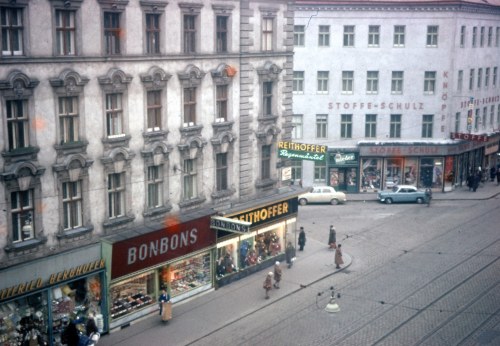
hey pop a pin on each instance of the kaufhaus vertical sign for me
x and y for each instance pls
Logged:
(302, 151)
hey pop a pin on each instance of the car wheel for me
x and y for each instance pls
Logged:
(388, 201)
(302, 201)
(420, 200)
(334, 201)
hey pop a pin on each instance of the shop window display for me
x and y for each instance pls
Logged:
(431, 172)
(393, 171)
(133, 294)
(24, 319)
(370, 176)
(186, 275)
(411, 172)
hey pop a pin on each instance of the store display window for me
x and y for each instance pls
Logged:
(411, 172)
(76, 301)
(24, 319)
(370, 174)
(431, 172)
(393, 170)
(186, 275)
(132, 294)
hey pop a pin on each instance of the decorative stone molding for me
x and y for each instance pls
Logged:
(190, 8)
(269, 72)
(268, 134)
(156, 6)
(115, 81)
(222, 141)
(117, 160)
(191, 147)
(155, 79)
(191, 76)
(113, 5)
(223, 74)
(69, 83)
(18, 85)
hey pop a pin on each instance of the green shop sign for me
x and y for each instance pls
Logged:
(301, 151)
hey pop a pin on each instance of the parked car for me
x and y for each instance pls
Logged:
(322, 194)
(402, 193)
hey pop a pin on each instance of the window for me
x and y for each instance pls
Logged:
(190, 178)
(346, 126)
(395, 126)
(267, 34)
(429, 82)
(497, 37)
(479, 77)
(114, 115)
(460, 80)
(72, 204)
(17, 124)
(65, 32)
(319, 171)
(432, 36)
(296, 169)
(485, 116)
(321, 125)
(371, 125)
(189, 34)
(462, 36)
(477, 120)
(427, 124)
(399, 36)
(397, 82)
(323, 82)
(189, 106)
(298, 82)
(486, 77)
(372, 82)
(299, 33)
(116, 195)
(494, 79)
(471, 79)
(221, 102)
(265, 169)
(481, 37)
(324, 36)
(68, 119)
(154, 110)
(153, 33)
(221, 171)
(373, 36)
(222, 33)
(267, 98)
(348, 35)
(297, 126)
(22, 212)
(457, 121)
(155, 186)
(12, 30)
(474, 37)
(498, 114)
(492, 115)
(490, 36)
(112, 33)
(347, 82)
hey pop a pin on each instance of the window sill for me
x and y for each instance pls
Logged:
(222, 193)
(265, 183)
(25, 245)
(118, 221)
(192, 202)
(151, 212)
(76, 232)
(21, 152)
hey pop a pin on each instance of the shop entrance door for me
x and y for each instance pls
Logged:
(338, 178)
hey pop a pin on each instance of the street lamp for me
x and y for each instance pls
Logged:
(332, 305)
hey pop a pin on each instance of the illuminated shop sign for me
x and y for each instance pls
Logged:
(150, 249)
(35, 284)
(301, 151)
(268, 213)
(343, 158)
(229, 225)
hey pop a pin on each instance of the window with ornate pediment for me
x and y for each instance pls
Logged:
(191, 82)
(155, 85)
(269, 77)
(222, 77)
(17, 97)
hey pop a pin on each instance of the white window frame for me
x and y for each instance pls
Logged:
(429, 82)
(69, 119)
(190, 179)
(370, 125)
(114, 115)
(298, 126)
(432, 36)
(397, 82)
(323, 82)
(321, 126)
(427, 125)
(372, 82)
(116, 189)
(18, 124)
(374, 36)
(299, 33)
(13, 31)
(347, 82)
(349, 36)
(324, 36)
(22, 215)
(72, 200)
(399, 36)
(298, 82)
(154, 190)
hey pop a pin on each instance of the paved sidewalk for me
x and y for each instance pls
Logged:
(203, 314)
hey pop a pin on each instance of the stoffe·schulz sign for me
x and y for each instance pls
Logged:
(301, 151)
(230, 225)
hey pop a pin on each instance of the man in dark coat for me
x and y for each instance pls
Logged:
(289, 254)
(332, 238)
(302, 239)
(477, 180)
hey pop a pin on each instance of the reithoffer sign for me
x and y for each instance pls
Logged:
(301, 151)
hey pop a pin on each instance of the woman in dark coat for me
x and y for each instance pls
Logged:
(289, 254)
(332, 238)
(302, 239)
(70, 336)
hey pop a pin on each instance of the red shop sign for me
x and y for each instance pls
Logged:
(157, 247)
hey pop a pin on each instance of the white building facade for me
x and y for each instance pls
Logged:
(391, 85)
(123, 121)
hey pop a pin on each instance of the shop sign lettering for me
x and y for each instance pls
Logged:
(375, 105)
(268, 213)
(469, 137)
(401, 150)
(312, 152)
(55, 278)
(315, 148)
(160, 246)
(229, 225)
(291, 154)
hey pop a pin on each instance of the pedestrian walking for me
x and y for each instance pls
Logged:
(477, 180)
(332, 238)
(338, 256)
(290, 254)
(277, 274)
(492, 173)
(302, 239)
(165, 306)
(498, 176)
(428, 196)
(268, 283)
(470, 181)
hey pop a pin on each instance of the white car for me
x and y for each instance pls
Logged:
(322, 194)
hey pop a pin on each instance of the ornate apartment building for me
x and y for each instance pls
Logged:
(125, 118)
(402, 91)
